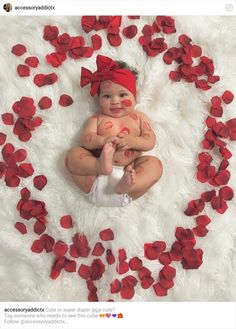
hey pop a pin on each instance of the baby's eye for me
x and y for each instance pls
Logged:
(106, 96)
(123, 95)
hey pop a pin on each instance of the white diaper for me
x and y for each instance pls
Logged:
(103, 192)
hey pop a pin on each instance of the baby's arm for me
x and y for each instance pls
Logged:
(89, 137)
(145, 142)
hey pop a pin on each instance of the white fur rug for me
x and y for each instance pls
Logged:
(177, 111)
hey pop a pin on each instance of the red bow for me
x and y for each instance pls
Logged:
(105, 69)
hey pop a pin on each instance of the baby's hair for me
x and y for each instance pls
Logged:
(124, 65)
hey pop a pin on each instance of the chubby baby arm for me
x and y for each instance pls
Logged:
(145, 142)
(89, 137)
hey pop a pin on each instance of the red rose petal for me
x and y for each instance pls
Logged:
(23, 70)
(48, 242)
(39, 80)
(91, 286)
(175, 76)
(70, 265)
(213, 78)
(73, 251)
(166, 284)
(200, 230)
(45, 103)
(219, 204)
(176, 251)
(110, 257)
(135, 264)
(50, 32)
(114, 39)
(65, 100)
(115, 286)
(26, 170)
(153, 250)
(32, 61)
(168, 272)
(122, 255)
(144, 272)
(203, 220)
(106, 235)
(21, 227)
(202, 84)
(226, 193)
(192, 259)
(39, 227)
(96, 41)
(13, 181)
(98, 249)
(37, 246)
(146, 282)
(49, 79)
(60, 248)
(165, 258)
(57, 267)
(18, 49)
(159, 290)
(3, 138)
(227, 97)
(222, 177)
(66, 221)
(195, 51)
(122, 267)
(8, 119)
(130, 31)
(207, 196)
(40, 182)
(92, 297)
(127, 293)
(81, 244)
(97, 269)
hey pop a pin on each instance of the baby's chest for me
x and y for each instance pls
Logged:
(108, 126)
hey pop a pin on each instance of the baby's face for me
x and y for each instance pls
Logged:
(115, 100)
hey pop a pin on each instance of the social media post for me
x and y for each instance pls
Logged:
(117, 140)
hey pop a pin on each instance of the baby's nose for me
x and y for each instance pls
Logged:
(115, 100)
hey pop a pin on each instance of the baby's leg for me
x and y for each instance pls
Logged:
(146, 171)
(84, 166)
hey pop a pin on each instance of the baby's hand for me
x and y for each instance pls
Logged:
(112, 139)
(125, 141)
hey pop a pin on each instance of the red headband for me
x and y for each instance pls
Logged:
(107, 69)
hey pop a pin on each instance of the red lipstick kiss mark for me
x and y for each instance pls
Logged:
(106, 84)
(83, 156)
(129, 154)
(134, 116)
(126, 102)
(94, 116)
(88, 138)
(125, 130)
(108, 125)
(147, 126)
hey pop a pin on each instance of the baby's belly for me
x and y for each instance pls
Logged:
(123, 158)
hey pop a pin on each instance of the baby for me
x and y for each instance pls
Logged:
(109, 165)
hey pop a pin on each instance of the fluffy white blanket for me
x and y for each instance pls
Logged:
(177, 112)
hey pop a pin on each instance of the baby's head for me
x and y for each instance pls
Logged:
(115, 84)
(118, 99)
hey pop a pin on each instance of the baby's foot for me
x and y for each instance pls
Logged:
(106, 158)
(126, 181)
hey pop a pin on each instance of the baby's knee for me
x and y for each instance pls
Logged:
(157, 164)
(70, 157)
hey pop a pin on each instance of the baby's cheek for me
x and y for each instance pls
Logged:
(126, 102)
